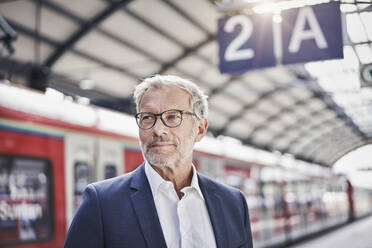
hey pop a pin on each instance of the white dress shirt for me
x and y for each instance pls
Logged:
(185, 222)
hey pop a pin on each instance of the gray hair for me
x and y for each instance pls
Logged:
(199, 101)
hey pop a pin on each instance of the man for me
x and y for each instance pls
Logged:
(164, 202)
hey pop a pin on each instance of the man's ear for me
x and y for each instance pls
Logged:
(202, 129)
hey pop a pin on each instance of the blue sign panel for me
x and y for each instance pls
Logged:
(312, 33)
(245, 43)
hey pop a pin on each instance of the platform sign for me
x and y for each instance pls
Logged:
(312, 33)
(306, 34)
(245, 43)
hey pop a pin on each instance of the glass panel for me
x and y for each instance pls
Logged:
(25, 199)
(110, 171)
(82, 179)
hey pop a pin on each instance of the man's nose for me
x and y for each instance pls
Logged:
(159, 128)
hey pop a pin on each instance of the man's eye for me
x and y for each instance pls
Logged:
(172, 117)
(147, 117)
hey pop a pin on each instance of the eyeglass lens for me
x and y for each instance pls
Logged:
(170, 118)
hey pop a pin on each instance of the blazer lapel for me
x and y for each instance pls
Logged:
(214, 206)
(145, 209)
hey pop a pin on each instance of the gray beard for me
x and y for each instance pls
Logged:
(174, 159)
(156, 162)
(170, 162)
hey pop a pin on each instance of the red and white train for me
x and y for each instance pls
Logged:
(51, 148)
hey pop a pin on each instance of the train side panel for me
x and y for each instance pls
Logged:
(32, 204)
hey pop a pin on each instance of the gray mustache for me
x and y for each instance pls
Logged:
(160, 139)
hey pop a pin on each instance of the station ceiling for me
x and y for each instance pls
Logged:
(100, 49)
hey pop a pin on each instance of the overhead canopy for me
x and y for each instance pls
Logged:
(316, 111)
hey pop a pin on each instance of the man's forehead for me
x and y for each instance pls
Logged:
(169, 96)
(164, 87)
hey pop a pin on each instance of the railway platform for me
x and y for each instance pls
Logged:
(356, 235)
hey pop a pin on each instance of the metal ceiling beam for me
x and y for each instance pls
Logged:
(324, 138)
(323, 154)
(250, 105)
(271, 149)
(298, 137)
(329, 154)
(31, 33)
(286, 110)
(328, 135)
(210, 37)
(300, 122)
(367, 9)
(326, 151)
(295, 140)
(86, 28)
(152, 26)
(187, 17)
(291, 143)
(228, 82)
(70, 87)
(327, 99)
(63, 11)
(347, 150)
(14, 67)
(66, 13)
(161, 32)
(186, 52)
(236, 79)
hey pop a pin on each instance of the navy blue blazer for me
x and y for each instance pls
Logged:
(121, 213)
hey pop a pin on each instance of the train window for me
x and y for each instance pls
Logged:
(110, 171)
(82, 179)
(26, 212)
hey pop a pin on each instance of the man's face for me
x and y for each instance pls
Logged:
(163, 146)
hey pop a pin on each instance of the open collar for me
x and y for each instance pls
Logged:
(155, 180)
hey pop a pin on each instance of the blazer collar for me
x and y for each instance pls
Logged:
(214, 205)
(144, 207)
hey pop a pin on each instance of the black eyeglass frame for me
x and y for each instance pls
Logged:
(161, 117)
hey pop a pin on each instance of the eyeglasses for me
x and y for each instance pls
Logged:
(170, 118)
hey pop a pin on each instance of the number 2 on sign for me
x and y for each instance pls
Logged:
(232, 51)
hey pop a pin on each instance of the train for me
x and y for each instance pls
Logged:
(52, 147)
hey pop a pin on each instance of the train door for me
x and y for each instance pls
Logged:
(32, 204)
(79, 169)
(110, 159)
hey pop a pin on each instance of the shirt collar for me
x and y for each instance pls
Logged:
(195, 182)
(155, 180)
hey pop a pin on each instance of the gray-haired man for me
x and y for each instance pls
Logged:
(165, 202)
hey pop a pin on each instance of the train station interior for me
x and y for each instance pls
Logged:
(289, 87)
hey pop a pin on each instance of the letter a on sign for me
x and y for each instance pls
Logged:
(312, 33)
(299, 32)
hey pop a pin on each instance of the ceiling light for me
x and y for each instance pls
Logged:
(87, 84)
(277, 18)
